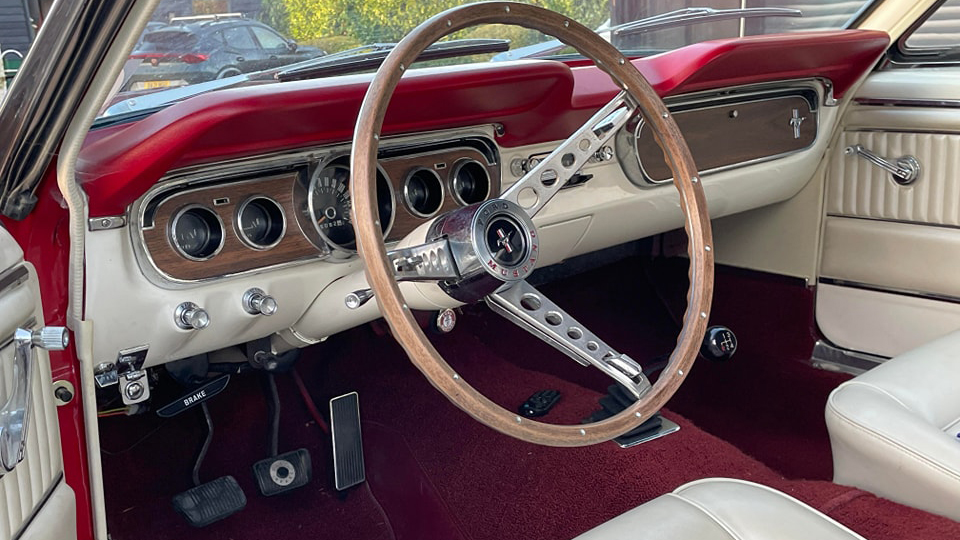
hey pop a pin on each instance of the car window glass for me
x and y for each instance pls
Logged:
(197, 33)
(940, 30)
(238, 37)
(267, 39)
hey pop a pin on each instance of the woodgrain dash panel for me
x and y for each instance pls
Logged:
(235, 256)
(725, 135)
(441, 162)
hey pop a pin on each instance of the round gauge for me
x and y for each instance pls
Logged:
(329, 202)
(260, 222)
(196, 232)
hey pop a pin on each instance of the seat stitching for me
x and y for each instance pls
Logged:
(908, 452)
(878, 389)
(806, 507)
(722, 524)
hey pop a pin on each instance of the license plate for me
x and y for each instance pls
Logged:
(156, 84)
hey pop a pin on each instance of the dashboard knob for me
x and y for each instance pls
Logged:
(190, 316)
(257, 302)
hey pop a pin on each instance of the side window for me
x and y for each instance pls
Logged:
(935, 40)
(238, 37)
(268, 39)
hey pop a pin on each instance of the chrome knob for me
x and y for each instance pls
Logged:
(51, 338)
(257, 302)
(358, 298)
(190, 316)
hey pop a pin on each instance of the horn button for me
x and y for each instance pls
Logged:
(493, 239)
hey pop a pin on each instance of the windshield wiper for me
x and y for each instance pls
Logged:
(688, 16)
(371, 56)
(672, 19)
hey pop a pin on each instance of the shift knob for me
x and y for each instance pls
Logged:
(719, 343)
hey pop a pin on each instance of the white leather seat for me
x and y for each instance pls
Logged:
(722, 509)
(894, 428)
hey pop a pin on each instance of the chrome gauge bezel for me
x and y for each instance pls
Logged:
(337, 161)
(172, 235)
(454, 183)
(406, 192)
(238, 223)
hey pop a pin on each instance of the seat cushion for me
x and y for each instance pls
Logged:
(722, 509)
(894, 429)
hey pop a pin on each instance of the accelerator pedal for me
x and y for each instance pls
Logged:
(348, 468)
(210, 502)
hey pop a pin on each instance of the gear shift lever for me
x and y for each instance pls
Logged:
(719, 344)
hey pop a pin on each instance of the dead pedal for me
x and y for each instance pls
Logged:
(348, 468)
(283, 473)
(210, 502)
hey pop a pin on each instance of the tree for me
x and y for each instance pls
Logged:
(370, 21)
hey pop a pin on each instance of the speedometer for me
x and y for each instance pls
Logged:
(329, 204)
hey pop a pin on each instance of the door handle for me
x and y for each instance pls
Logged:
(905, 170)
(15, 414)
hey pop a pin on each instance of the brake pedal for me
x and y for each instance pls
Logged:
(210, 502)
(348, 468)
(207, 503)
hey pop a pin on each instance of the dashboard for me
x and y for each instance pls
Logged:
(222, 195)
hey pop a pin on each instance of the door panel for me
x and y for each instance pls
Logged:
(37, 481)
(889, 252)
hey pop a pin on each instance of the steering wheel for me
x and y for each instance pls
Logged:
(485, 250)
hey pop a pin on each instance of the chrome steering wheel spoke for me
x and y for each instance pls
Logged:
(529, 309)
(541, 183)
(431, 261)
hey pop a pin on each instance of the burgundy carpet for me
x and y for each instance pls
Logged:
(436, 473)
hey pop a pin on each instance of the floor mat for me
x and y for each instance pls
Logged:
(433, 472)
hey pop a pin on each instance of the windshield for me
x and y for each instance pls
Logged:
(206, 45)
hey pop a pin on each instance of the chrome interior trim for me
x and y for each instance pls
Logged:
(198, 176)
(829, 357)
(666, 427)
(902, 102)
(889, 290)
(406, 192)
(13, 277)
(106, 223)
(172, 234)
(745, 94)
(239, 230)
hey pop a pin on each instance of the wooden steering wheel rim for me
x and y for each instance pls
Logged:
(380, 275)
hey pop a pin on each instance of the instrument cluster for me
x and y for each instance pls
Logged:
(275, 212)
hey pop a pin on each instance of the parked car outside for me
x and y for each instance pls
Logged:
(192, 50)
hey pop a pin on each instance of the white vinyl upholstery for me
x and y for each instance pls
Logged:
(721, 509)
(894, 429)
(857, 188)
(23, 490)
